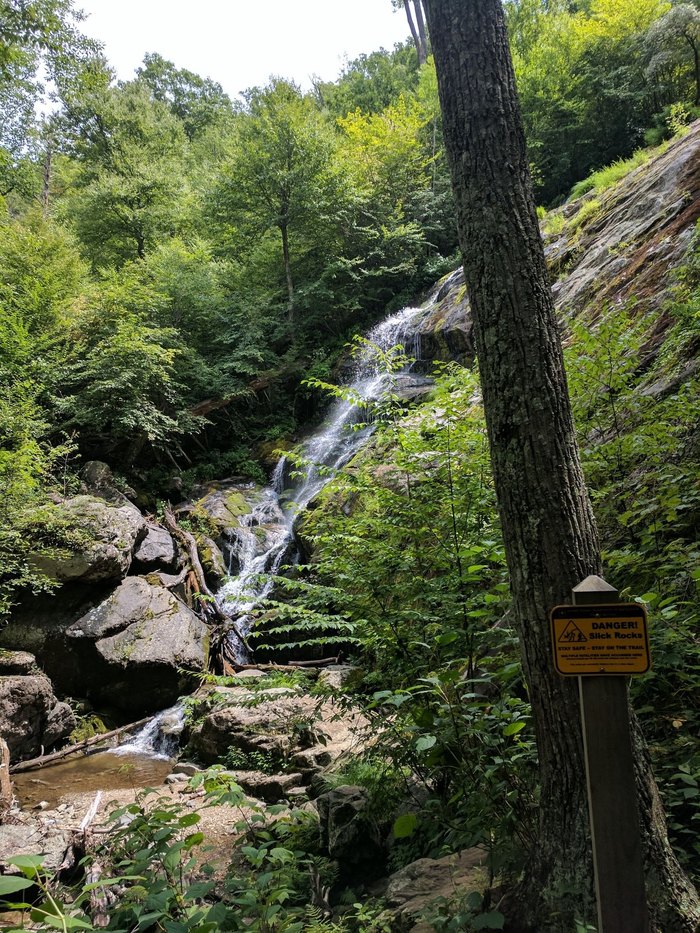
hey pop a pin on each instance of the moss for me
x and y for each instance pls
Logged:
(236, 504)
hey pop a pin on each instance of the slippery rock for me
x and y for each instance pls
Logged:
(445, 330)
(30, 715)
(243, 518)
(138, 641)
(110, 531)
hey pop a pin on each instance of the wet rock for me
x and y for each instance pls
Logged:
(427, 880)
(213, 562)
(156, 551)
(31, 718)
(111, 531)
(136, 644)
(445, 331)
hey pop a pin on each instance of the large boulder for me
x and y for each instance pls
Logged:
(136, 645)
(31, 717)
(110, 533)
(280, 726)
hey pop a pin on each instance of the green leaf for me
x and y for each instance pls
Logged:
(9, 884)
(425, 742)
(27, 864)
(493, 920)
(513, 728)
(405, 825)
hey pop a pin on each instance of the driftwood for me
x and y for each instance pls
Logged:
(233, 668)
(81, 843)
(5, 782)
(42, 760)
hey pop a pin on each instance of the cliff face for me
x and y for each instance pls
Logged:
(620, 246)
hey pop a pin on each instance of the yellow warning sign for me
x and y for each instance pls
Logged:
(600, 639)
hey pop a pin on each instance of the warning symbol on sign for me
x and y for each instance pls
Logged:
(572, 633)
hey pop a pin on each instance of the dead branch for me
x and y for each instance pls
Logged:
(188, 541)
(42, 760)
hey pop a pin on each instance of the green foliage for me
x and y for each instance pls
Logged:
(641, 459)
(608, 177)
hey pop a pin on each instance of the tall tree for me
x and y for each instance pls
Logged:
(416, 23)
(280, 177)
(548, 526)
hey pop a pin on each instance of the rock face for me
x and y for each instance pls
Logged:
(444, 331)
(637, 234)
(244, 521)
(30, 715)
(350, 834)
(136, 643)
(111, 531)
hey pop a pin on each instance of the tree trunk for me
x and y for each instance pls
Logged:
(412, 27)
(548, 526)
(287, 270)
(422, 35)
(46, 183)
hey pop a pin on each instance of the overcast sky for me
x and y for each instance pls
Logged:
(240, 43)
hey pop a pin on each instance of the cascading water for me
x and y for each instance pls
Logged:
(266, 536)
(160, 736)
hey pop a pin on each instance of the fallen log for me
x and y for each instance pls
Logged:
(42, 760)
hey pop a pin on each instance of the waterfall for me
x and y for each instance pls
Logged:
(257, 556)
(160, 737)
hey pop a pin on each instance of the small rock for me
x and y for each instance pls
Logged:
(156, 551)
(249, 675)
(338, 676)
(187, 768)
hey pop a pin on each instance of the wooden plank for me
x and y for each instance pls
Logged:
(612, 794)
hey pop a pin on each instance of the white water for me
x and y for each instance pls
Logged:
(159, 737)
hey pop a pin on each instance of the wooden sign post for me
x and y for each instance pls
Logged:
(600, 640)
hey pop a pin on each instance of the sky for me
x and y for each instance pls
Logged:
(240, 43)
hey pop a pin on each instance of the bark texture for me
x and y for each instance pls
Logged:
(548, 525)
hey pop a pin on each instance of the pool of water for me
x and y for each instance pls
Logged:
(87, 774)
